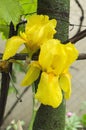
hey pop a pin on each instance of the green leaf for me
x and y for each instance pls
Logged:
(10, 10)
(19, 66)
(9, 127)
(14, 80)
(29, 6)
(4, 29)
(12, 90)
(83, 120)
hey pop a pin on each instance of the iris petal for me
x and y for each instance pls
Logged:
(49, 92)
(39, 29)
(31, 75)
(47, 53)
(65, 84)
(72, 54)
(52, 56)
(12, 46)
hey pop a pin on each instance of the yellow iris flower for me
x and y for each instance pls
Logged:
(54, 62)
(38, 30)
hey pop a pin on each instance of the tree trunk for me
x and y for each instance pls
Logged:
(48, 118)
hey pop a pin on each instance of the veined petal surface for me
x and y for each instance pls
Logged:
(49, 92)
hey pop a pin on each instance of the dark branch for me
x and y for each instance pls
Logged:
(77, 37)
(82, 15)
(5, 81)
(15, 103)
(4, 92)
(11, 30)
(23, 56)
(82, 56)
(19, 24)
(73, 40)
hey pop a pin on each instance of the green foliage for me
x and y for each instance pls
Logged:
(72, 122)
(14, 125)
(29, 6)
(83, 117)
(12, 90)
(4, 29)
(10, 10)
(13, 10)
(83, 106)
(17, 67)
(83, 120)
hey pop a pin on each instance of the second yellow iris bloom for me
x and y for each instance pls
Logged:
(54, 62)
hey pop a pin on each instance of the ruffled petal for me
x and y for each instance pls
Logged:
(39, 20)
(39, 29)
(49, 92)
(65, 84)
(36, 19)
(12, 46)
(52, 56)
(31, 75)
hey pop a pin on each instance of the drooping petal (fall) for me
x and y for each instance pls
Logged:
(65, 84)
(12, 46)
(31, 75)
(49, 92)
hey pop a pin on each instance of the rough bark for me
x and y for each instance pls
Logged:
(48, 118)
(58, 9)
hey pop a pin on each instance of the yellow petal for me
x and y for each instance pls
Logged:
(59, 59)
(31, 75)
(72, 53)
(65, 84)
(36, 19)
(52, 56)
(39, 29)
(49, 92)
(48, 51)
(39, 20)
(12, 46)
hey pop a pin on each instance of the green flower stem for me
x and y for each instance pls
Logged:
(32, 120)
(36, 106)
